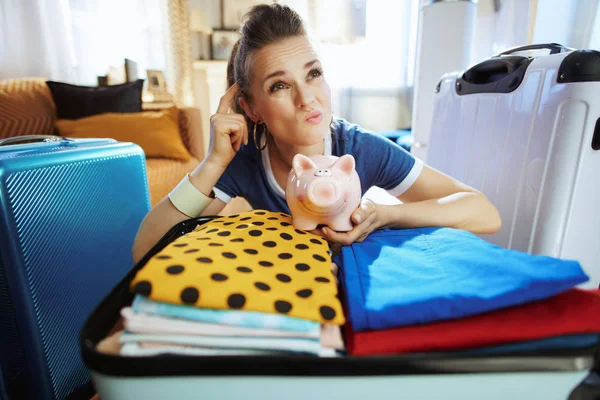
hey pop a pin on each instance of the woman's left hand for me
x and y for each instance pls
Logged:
(365, 218)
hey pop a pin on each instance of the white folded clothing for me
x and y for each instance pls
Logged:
(136, 349)
(146, 323)
(295, 345)
(148, 349)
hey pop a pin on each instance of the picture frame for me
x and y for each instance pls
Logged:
(131, 70)
(156, 81)
(222, 42)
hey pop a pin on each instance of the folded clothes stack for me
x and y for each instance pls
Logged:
(441, 289)
(243, 284)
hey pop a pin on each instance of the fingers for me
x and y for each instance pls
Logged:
(225, 101)
(343, 238)
(363, 211)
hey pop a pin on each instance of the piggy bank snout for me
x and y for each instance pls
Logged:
(323, 192)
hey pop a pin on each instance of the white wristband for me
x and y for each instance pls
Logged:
(188, 199)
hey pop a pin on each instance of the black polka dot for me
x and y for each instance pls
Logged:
(191, 251)
(285, 236)
(285, 224)
(302, 267)
(229, 255)
(272, 218)
(255, 232)
(250, 251)
(258, 223)
(234, 216)
(283, 306)
(259, 212)
(203, 238)
(244, 269)
(227, 223)
(305, 293)
(318, 257)
(316, 241)
(272, 228)
(215, 244)
(265, 263)
(175, 269)
(143, 287)
(204, 260)
(327, 313)
(245, 218)
(322, 279)
(298, 231)
(219, 277)
(283, 278)
(236, 300)
(262, 286)
(212, 230)
(285, 256)
(269, 243)
(190, 295)
(242, 226)
(284, 215)
(164, 257)
(224, 233)
(301, 246)
(180, 245)
(237, 240)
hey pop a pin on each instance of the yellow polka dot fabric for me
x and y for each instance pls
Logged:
(255, 261)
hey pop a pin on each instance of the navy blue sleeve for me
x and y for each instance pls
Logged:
(230, 184)
(383, 163)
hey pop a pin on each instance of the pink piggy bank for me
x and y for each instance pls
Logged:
(323, 190)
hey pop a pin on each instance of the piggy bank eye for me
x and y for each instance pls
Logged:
(319, 173)
(326, 172)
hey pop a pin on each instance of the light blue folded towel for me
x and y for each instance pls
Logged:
(249, 319)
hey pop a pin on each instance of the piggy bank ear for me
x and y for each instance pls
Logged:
(301, 163)
(345, 164)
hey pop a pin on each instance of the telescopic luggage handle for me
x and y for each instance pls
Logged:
(554, 48)
(30, 139)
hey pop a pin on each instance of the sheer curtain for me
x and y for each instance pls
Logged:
(105, 32)
(35, 39)
(77, 40)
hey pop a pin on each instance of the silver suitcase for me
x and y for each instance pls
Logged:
(526, 132)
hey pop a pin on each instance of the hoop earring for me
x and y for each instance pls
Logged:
(258, 147)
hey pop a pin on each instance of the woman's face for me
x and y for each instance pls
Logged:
(289, 92)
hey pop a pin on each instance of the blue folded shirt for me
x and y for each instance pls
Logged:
(415, 276)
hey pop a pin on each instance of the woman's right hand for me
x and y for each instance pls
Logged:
(227, 130)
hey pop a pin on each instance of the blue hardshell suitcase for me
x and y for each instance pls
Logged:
(69, 212)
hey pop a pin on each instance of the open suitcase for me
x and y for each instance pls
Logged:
(556, 374)
(525, 131)
(70, 209)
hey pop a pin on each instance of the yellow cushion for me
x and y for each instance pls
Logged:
(156, 132)
(255, 261)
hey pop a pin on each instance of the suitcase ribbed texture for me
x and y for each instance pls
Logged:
(70, 222)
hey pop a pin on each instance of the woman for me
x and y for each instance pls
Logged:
(282, 106)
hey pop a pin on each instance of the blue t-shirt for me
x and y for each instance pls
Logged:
(379, 162)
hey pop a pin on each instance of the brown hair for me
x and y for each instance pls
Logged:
(263, 25)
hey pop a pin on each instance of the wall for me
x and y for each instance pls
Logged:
(499, 30)
(568, 23)
(211, 10)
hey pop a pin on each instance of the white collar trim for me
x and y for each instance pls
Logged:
(269, 171)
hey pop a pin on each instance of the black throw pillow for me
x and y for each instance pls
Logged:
(74, 102)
